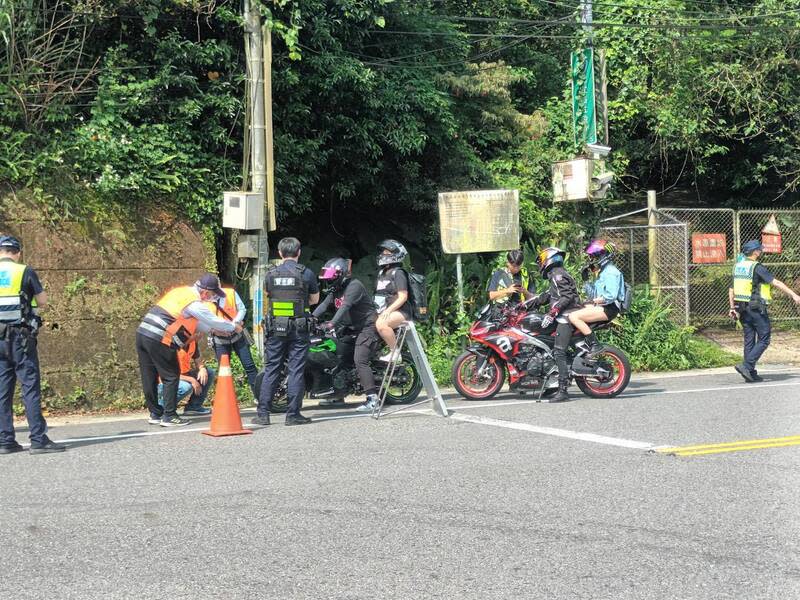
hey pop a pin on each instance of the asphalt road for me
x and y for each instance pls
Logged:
(504, 499)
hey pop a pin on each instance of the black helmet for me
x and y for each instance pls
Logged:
(397, 250)
(336, 272)
(9, 242)
(549, 258)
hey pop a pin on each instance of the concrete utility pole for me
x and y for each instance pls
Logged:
(258, 158)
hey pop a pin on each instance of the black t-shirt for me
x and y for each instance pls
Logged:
(387, 288)
(502, 279)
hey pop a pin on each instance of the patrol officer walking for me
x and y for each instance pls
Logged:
(749, 297)
(21, 294)
(291, 289)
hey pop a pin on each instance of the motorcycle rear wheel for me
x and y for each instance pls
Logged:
(467, 382)
(409, 390)
(620, 367)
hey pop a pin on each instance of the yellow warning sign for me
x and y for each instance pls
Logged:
(479, 221)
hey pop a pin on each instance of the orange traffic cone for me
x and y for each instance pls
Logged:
(225, 417)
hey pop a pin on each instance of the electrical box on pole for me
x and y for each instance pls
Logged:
(243, 210)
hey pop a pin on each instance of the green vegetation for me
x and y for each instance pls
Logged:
(110, 106)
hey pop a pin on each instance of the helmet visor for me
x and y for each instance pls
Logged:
(328, 273)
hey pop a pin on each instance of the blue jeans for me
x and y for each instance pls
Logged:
(185, 389)
(242, 350)
(757, 330)
(17, 362)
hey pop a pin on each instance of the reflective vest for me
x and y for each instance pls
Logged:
(165, 320)
(287, 292)
(15, 306)
(185, 357)
(743, 272)
(227, 312)
(506, 282)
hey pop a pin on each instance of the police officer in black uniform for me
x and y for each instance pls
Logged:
(291, 289)
(21, 294)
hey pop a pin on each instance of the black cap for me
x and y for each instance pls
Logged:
(9, 242)
(210, 282)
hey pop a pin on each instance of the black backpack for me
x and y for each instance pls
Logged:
(417, 295)
(627, 299)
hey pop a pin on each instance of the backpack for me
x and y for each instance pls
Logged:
(417, 296)
(627, 299)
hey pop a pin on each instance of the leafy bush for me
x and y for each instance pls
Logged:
(654, 343)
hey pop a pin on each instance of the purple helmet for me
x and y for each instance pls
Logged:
(600, 252)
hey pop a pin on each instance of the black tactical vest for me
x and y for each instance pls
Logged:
(287, 292)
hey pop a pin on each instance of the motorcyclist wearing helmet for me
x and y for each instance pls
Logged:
(391, 294)
(354, 318)
(562, 296)
(607, 292)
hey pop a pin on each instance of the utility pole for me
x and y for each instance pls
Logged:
(258, 158)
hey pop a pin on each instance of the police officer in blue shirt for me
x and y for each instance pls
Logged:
(290, 289)
(749, 297)
(21, 295)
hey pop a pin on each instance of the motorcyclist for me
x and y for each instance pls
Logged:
(354, 319)
(607, 293)
(562, 296)
(391, 295)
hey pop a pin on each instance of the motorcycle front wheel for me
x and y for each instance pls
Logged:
(613, 361)
(473, 385)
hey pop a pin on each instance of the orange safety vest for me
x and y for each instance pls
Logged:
(185, 357)
(166, 319)
(228, 312)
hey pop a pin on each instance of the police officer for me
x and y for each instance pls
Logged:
(748, 298)
(291, 289)
(511, 283)
(21, 295)
(563, 297)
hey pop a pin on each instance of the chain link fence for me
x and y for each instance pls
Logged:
(652, 249)
(687, 255)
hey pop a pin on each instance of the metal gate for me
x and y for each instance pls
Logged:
(653, 248)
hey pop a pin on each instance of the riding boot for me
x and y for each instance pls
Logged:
(595, 347)
(562, 395)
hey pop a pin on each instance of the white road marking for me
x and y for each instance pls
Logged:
(563, 433)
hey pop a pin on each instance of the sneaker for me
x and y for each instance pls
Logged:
(393, 356)
(260, 420)
(744, 372)
(200, 410)
(154, 420)
(46, 446)
(370, 405)
(756, 377)
(175, 421)
(11, 448)
(297, 419)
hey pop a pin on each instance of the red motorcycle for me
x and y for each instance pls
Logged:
(512, 340)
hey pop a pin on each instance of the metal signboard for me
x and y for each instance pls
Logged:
(709, 248)
(771, 237)
(479, 221)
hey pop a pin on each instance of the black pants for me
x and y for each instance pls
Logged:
(367, 344)
(757, 332)
(19, 360)
(563, 338)
(157, 360)
(291, 349)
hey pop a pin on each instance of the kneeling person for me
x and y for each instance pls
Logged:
(194, 382)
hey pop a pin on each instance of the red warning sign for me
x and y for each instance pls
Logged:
(771, 237)
(709, 248)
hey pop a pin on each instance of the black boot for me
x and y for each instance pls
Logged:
(595, 347)
(562, 395)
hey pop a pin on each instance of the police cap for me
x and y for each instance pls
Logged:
(9, 242)
(751, 246)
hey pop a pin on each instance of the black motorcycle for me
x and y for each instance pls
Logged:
(326, 379)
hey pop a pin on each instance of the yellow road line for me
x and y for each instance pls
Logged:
(697, 450)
